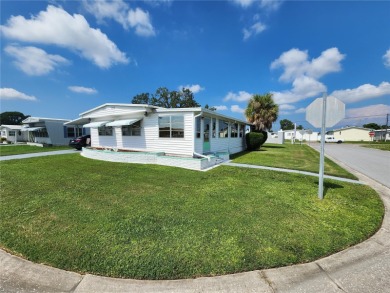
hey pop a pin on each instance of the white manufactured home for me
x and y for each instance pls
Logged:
(13, 133)
(45, 130)
(177, 132)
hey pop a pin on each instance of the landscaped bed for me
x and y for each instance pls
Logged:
(155, 222)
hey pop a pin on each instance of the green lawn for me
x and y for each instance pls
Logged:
(384, 146)
(8, 150)
(155, 222)
(290, 156)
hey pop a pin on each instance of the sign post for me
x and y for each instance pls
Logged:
(371, 134)
(324, 112)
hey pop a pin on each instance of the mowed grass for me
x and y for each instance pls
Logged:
(291, 156)
(383, 146)
(155, 222)
(9, 150)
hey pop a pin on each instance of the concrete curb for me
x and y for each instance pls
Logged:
(362, 268)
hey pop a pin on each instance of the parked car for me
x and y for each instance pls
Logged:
(333, 139)
(80, 142)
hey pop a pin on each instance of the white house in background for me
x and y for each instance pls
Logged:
(47, 131)
(13, 133)
(353, 133)
(291, 134)
(185, 132)
(382, 135)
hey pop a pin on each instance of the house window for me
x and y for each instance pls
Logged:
(234, 130)
(171, 126)
(132, 130)
(207, 125)
(105, 131)
(11, 133)
(214, 126)
(70, 132)
(242, 128)
(197, 125)
(223, 129)
(41, 133)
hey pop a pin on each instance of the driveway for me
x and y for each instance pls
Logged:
(370, 162)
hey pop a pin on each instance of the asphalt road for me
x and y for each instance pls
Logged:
(370, 162)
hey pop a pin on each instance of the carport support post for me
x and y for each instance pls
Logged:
(323, 129)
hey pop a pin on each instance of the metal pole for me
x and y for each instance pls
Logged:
(323, 129)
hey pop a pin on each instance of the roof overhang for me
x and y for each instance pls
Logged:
(122, 122)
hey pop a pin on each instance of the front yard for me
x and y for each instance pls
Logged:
(290, 156)
(154, 222)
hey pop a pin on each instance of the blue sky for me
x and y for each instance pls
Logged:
(61, 58)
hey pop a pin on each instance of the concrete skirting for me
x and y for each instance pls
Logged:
(158, 158)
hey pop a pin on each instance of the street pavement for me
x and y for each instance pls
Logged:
(370, 162)
(362, 268)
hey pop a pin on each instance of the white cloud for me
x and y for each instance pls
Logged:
(82, 90)
(303, 87)
(244, 3)
(119, 11)
(12, 94)
(57, 27)
(140, 20)
(242, 96)
(221, 108)
(295, 64)
(34, 61)
(286, 107)
(303, 73)
(195, 88)
(386, 58)
(372, 110)
(363, 92)
(115, 10)
(271, 4)
(300, 110)
(254, 30)
(237, 109)
(265, 4)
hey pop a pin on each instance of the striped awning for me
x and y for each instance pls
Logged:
(32, 128)
(96, 124)
(122, 122)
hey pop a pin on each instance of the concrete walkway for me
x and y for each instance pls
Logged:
(361, 268)
(33, 155)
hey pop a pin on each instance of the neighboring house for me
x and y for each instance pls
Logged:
(382, 134)
(180, 131)
(13, 133)
(351, 133)
(48, 131)
(291, 134)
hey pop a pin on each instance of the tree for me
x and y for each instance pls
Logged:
(141, 99)
(168, 99)
(210, 108)
(262, 111)
(299, 127)
(372, 126)
(286, 124)
(12, 118)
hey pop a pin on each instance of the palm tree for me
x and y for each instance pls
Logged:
(262, 111)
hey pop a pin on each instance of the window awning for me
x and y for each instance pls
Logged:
(96, 124)
(32, 128)
(122, 122)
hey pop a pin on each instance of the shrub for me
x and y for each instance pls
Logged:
(254, 140)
